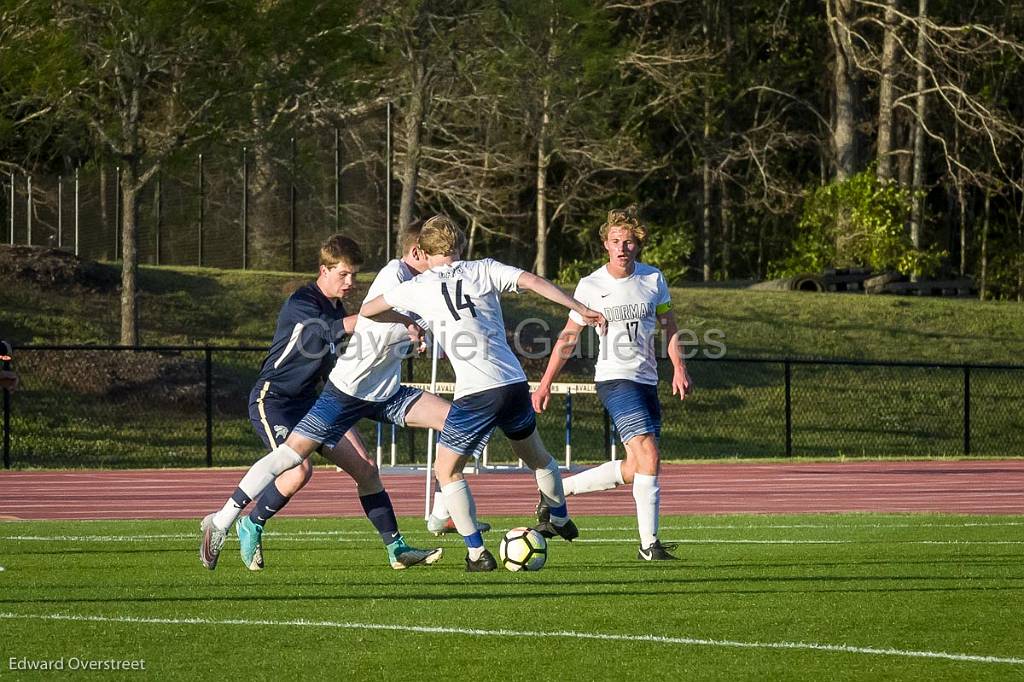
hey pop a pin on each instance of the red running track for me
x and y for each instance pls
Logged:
(966, 487)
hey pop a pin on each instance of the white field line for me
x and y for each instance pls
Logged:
(304, 537)
(532, 635)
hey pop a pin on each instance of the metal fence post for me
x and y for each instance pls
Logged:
(76, 213)
(607, 435)
(13, 181)
(60, 211)
(789, 409)
(202, 207)
(337, 181)
(568, 429)
(117, 211)
(291, 210)
(28, 217)
(159, 207)
(245, 209)
(6, 351)
(387, 188)
(209, 405)
(412, 432)
(967, 410)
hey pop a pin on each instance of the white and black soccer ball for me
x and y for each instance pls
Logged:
(523, 549)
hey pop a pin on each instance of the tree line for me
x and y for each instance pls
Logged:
(757, 138)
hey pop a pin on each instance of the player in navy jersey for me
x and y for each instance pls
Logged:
(459, 301)
(634, 299)
(310, 329)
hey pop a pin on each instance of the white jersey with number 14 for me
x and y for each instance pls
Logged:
(460, 303)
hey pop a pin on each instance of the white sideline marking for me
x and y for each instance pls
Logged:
(301, 536)
(568, 634)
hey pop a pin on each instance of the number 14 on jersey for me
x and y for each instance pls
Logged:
(461, 302)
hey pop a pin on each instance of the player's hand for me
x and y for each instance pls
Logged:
(416, 336)
(540, 398)
(682, 384)
(594, 319)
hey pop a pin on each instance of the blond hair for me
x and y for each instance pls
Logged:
(340, 249)
(440, 236)
(624, 219)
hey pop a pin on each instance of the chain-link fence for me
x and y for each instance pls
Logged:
(83, 406)
(265, 207)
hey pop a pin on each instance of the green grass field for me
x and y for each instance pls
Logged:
(839, 597)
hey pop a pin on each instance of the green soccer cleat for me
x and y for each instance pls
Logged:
(250, 542)
(401, 555)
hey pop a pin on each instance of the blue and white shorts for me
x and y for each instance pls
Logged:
(633, 407)
(472, 419)
(336, 412)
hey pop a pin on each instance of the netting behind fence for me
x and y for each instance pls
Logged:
(264, 207)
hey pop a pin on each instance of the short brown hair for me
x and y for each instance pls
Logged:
(440, 236)
(340, 249)
(410, 236)
(625, 219)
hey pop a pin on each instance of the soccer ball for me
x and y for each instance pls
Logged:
(523, 549)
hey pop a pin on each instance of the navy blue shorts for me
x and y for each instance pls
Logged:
(273, 416)
(335, 412)
(633, 407)
(473, 417)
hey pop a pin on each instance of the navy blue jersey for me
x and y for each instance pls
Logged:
(306, 344)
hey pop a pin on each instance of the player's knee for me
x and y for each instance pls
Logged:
(447, 472)
(643, 454)
(366, 474)
(306, 469)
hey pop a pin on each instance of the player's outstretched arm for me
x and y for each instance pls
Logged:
(543, 287)
(682, 385)
(380, 310)
(564, 347)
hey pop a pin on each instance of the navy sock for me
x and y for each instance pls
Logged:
(270, 502)
(381, 514)
(240, 499)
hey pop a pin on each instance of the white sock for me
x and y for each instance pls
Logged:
(646, 493)
(603, 477)
(459, 501)
(549, 482)
(439, 510)
(260, 475)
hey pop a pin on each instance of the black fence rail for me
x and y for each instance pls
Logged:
(186, 406)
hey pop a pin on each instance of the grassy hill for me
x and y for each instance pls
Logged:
(118, 409)
(230, 307)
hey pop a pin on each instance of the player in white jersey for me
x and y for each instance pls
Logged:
(363, 383)
(634, 298)
(459, 301)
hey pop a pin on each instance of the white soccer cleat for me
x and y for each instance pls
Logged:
(212, 542)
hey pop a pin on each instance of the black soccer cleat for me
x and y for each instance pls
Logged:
(656, 552)
(543, 511)
(486, 562)
(568, 531)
